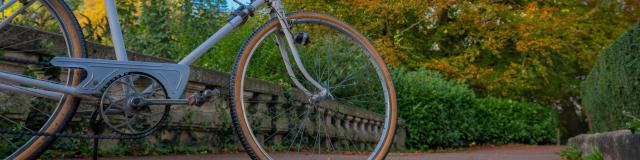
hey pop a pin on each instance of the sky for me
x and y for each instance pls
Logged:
(232, 5)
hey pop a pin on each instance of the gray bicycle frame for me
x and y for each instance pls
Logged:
(56, 91)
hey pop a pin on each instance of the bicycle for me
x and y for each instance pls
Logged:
(333, 63)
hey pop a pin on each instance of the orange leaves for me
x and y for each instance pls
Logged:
(392, 56)
(92, 10)
(369, 4)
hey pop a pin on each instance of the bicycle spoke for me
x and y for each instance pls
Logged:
(14, 122)
(350, 81)
(7, 140)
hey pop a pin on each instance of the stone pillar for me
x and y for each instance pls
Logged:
(358, 130)
(378, 128)
(320, 127)
(261, 116)
(281, 121)
(37, 70)
(309, 121)
(401, 135)
(340, 130)
(350, 128)
(366, 128)
(329, 129)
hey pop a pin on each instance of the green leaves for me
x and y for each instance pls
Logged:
(442, 113)
(633, 124)
(505, 121)
(519, 49)
(573, 153)
(612, 87)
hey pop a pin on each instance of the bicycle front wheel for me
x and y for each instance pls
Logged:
(354, 111)
(40, 30)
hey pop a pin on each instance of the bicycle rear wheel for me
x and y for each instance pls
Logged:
(354, 112)
(42, 30)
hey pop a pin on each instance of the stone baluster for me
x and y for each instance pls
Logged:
(349, 129)
(401, 134)
(261, 116)
(319, 119)
(358, 129)
(329, 129)
(373, 127)
(247, 96)
(344, 128)
(367, 130)
(37, 70)
(304, 124)
(281, 121)
(379, 126)
(340, 129)
(295, 121)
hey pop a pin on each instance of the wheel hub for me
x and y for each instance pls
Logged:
(324, 94)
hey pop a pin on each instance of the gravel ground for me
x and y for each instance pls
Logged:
(507, 152)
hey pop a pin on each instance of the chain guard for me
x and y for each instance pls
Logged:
(174, 77)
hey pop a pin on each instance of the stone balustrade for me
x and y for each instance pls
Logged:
(210, 125)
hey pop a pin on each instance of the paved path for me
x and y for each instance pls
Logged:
(508, 152)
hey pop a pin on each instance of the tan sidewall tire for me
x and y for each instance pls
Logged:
(251, 145)
(68, 105)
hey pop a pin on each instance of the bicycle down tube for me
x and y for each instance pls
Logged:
(55, 91)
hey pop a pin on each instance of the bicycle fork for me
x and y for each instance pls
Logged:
(284, 38)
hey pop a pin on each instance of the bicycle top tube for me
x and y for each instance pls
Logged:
(227, 28)
(118, 41)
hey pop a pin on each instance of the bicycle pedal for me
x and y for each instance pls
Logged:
(200, 98)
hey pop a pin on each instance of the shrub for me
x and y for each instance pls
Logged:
(594, 155)
(504, 121)
(613, 85)
(573, 153)
(437, 112)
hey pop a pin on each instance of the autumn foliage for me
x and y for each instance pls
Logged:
(535, 51)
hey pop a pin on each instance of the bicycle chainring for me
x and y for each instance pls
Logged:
(121, 105)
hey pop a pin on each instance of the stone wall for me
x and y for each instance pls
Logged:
(616, 145)
(210, 125)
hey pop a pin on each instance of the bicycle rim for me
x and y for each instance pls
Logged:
(58, 34)
(357, 115)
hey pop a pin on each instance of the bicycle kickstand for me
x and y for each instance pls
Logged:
(97, 130)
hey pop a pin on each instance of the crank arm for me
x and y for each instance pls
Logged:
(164, 102)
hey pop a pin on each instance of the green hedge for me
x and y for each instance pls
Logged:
(613, 85)
(444, 114)
(437, 112)
(503, 121)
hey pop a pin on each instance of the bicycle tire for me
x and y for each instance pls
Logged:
(66, 107)
(239, 115)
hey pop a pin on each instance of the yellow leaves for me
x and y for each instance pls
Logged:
(392, 56)
(494, 41)
(92, 10)
(10, 10)
(92, 17)
(368, 4)
(458, 67)
(443, 66)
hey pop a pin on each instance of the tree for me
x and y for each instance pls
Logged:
(531, 50)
